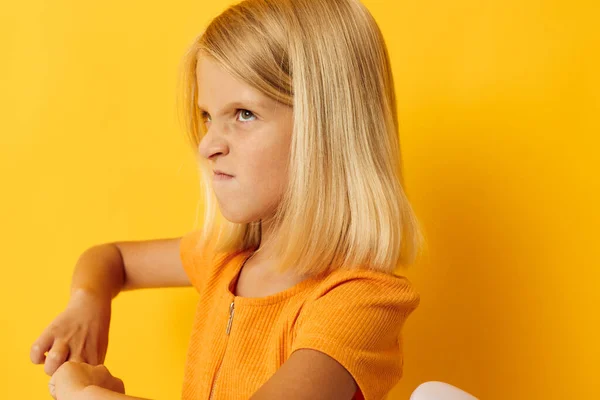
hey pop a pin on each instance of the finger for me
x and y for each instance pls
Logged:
(76, 358)
(56, 357)
(41, 346)
(76, 353)
(91, 353)
(102, 349)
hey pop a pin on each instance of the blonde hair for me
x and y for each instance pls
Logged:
(345, 204)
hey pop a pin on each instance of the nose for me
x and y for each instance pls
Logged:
(213, 144)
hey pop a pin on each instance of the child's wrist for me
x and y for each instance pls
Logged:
(84, 295)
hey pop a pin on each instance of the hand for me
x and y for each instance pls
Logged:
(71, 378)
(79, 333)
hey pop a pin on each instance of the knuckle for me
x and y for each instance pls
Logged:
(54, 355)
(53, 329)
(58, 331)
(102, 368)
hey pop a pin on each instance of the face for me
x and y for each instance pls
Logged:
(248, 136)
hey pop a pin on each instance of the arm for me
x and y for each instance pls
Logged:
(107, 269)
(308, 375)
(80, 332)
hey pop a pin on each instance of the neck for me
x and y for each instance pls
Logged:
(264, 257)
(265, 249)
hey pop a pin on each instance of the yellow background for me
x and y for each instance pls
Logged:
(499, 111)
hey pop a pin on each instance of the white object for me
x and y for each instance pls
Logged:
(434, 390)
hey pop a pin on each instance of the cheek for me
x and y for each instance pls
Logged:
(268, 161)
(270, 178)
(268, 173)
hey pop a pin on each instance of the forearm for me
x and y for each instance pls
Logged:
(99, 270)
(98, 393)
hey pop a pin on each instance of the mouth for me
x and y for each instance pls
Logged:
(220, 175)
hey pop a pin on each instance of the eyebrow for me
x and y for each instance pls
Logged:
(240, 104)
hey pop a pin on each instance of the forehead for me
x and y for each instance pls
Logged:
(216, 84)
(206, 68)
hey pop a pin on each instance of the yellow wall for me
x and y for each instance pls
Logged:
(499, 111)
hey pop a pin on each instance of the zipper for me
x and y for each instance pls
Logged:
(231, 310)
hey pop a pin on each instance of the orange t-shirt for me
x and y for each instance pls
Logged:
(238, 343)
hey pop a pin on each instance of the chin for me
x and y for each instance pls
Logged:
(237, 217)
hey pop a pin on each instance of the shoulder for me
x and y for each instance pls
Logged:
(356, 307)
(364, 285)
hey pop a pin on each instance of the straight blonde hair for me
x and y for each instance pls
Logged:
(345, 204)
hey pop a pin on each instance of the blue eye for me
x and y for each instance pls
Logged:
(246, 111)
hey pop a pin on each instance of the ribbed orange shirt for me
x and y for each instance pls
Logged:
(238, 343)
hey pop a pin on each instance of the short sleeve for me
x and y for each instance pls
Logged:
(358, 321)
(196, 257)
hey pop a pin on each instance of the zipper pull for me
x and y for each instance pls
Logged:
(230, 316)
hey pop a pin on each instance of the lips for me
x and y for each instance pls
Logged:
(218, 172)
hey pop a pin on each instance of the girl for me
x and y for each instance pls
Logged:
(291, 106)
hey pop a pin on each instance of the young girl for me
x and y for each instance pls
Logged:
(291, 107)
